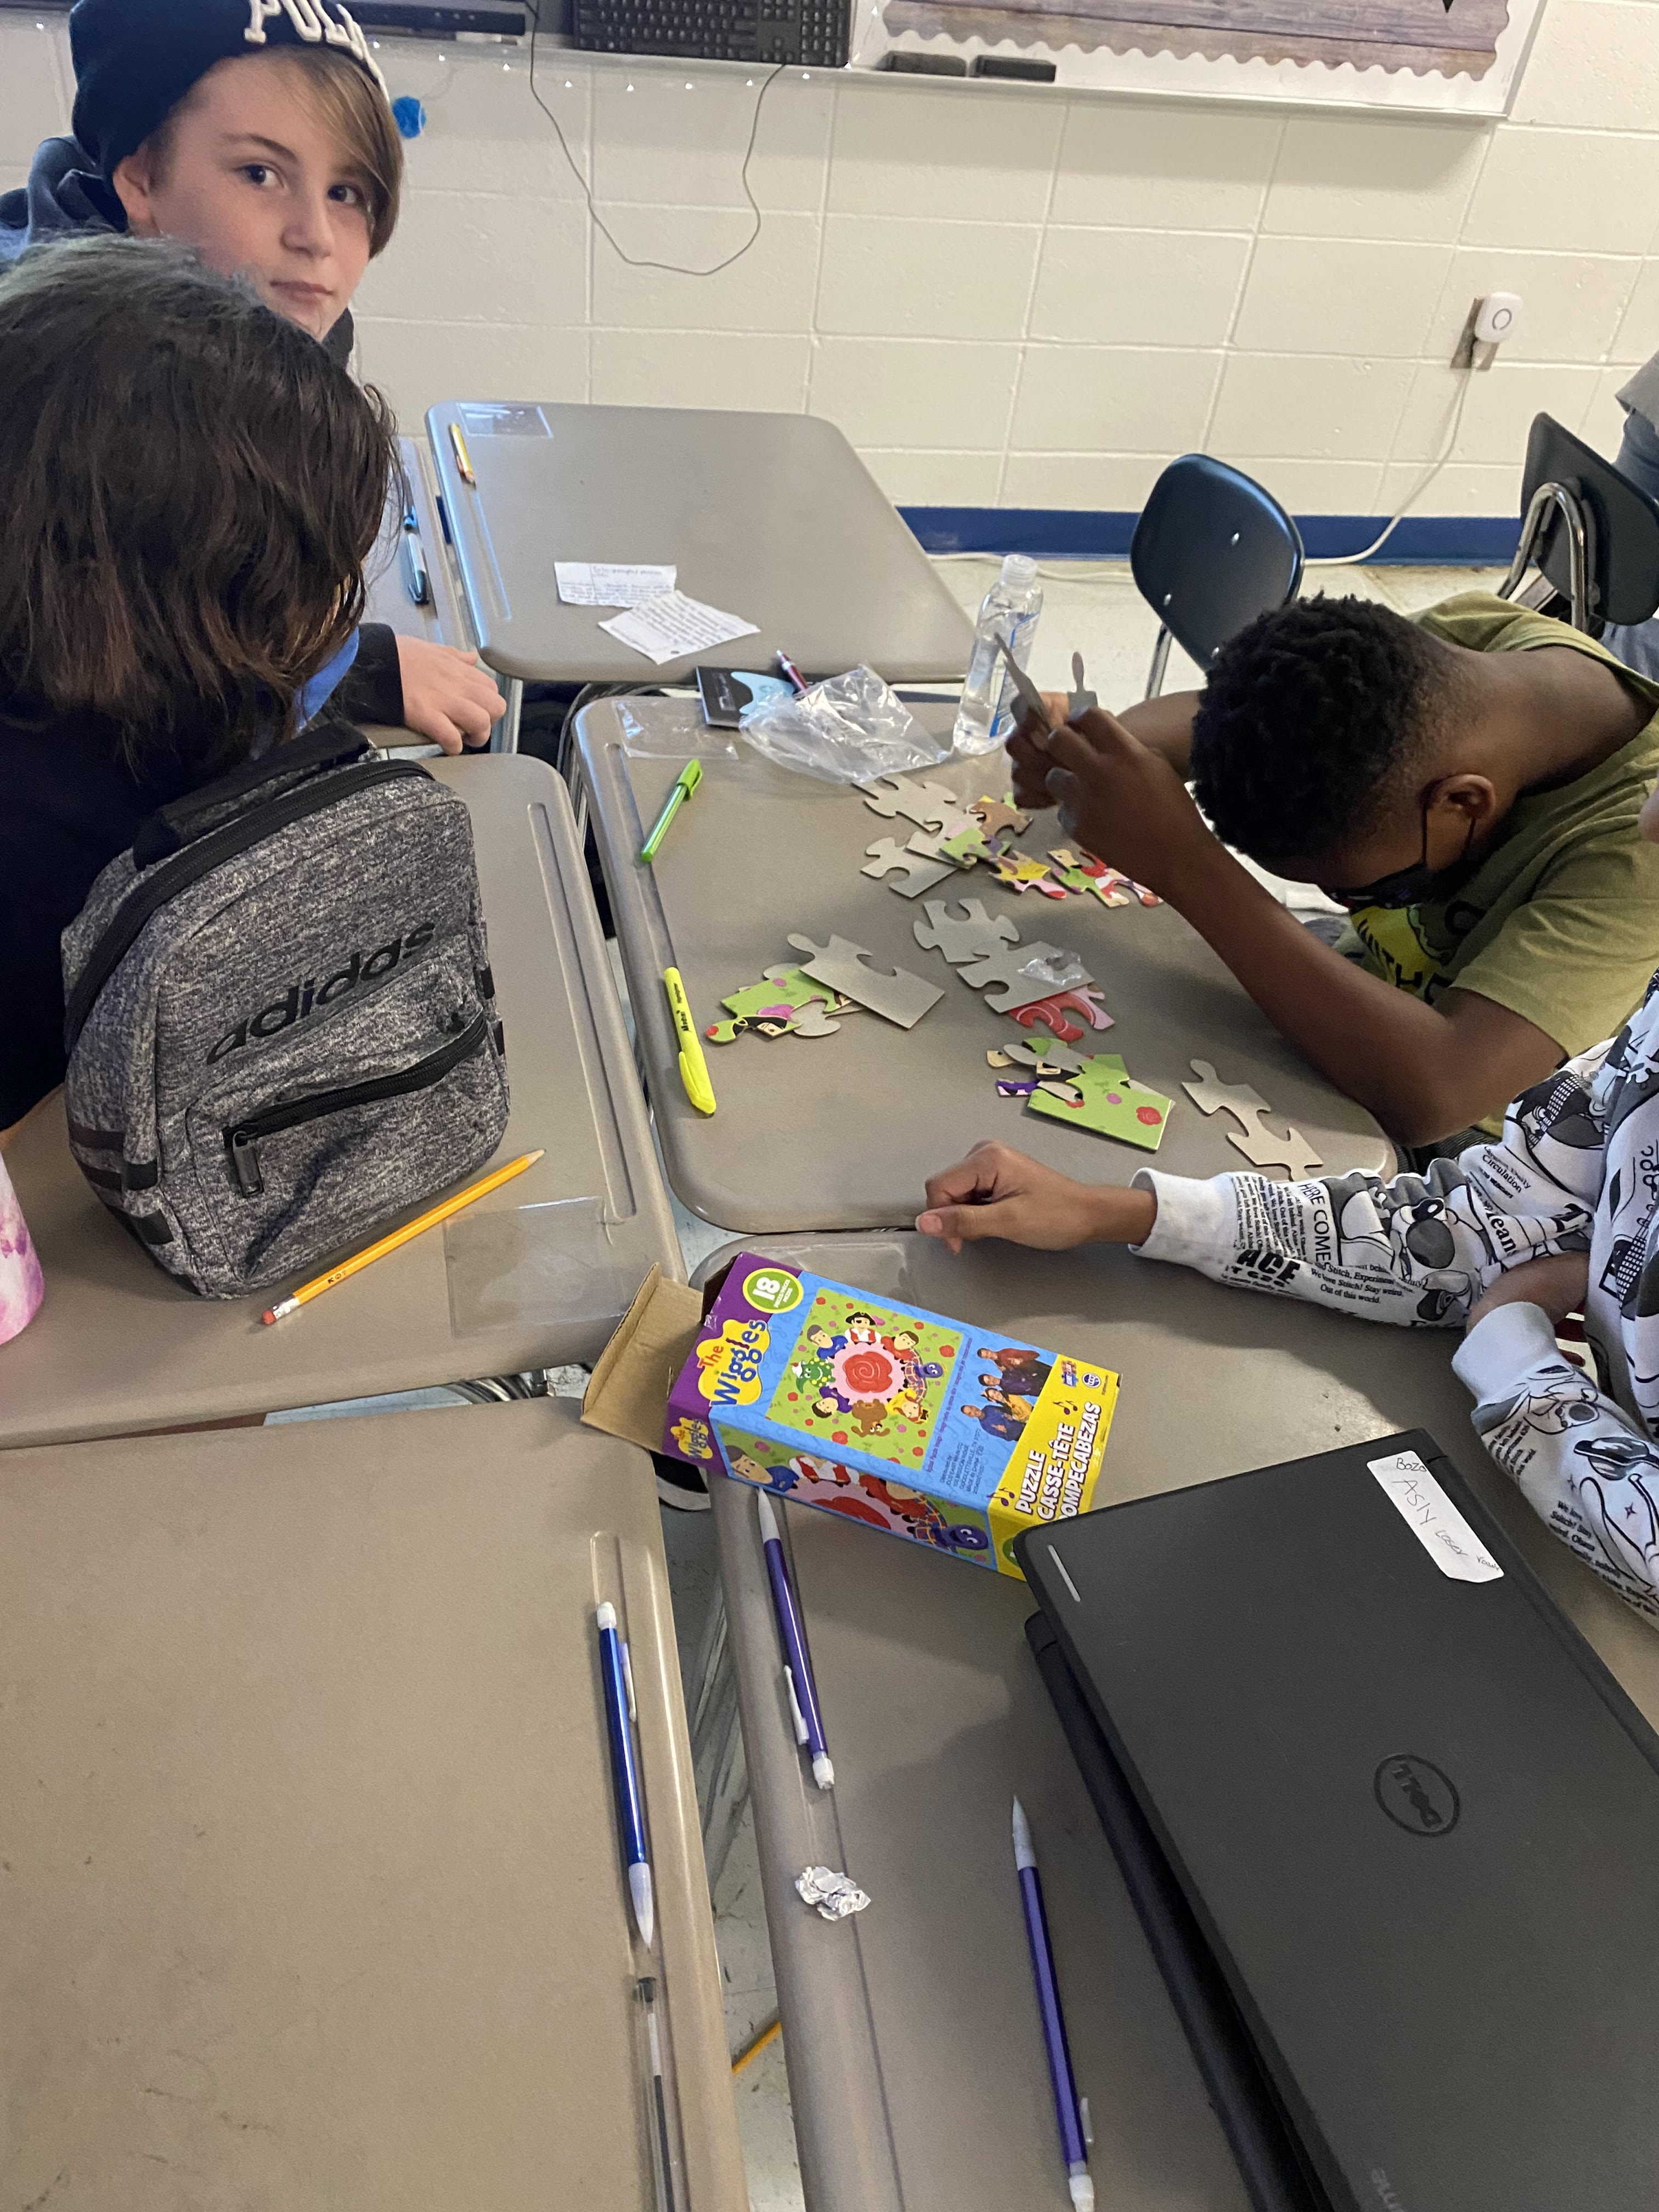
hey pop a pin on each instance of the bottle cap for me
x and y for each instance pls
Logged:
(1019, 568)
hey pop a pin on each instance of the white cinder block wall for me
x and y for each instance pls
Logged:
(1017, 297)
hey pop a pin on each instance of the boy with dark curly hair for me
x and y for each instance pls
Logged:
(1465, 783)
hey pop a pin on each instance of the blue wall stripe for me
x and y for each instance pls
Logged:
(1062, 533)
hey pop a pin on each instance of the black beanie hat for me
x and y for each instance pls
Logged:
(136, 60)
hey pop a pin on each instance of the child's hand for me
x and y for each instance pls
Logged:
(996, 1192)
(1559, 1282)
(449, 697)
(1029, 761)
(1119, 800)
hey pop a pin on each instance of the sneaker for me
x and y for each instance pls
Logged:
(679, 1485)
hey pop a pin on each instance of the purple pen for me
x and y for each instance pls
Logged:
(798, 1671)
(1073, 2148)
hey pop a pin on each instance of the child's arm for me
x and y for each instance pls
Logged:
(1582, 1465)
(1416, 1251)
(1423, 1070)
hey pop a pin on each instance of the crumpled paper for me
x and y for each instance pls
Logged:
(834, 1895)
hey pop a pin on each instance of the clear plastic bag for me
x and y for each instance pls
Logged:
(848, 729)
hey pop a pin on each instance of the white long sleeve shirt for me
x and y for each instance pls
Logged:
(1575, 1170)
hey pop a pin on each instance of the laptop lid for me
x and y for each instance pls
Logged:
(1416, 1820)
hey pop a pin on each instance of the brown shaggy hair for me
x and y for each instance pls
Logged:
(354, 108)
(191, 487)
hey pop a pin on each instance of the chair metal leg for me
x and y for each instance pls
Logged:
(504, 737)
(1160, 662)
(1556, 497)
(717, 1752)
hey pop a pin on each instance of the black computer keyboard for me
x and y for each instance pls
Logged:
(814, 32)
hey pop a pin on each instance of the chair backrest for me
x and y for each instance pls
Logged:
(1211, 551)
(1619, 524)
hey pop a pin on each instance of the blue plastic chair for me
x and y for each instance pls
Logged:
(1211, 551)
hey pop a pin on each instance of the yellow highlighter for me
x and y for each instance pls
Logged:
(694, 1069)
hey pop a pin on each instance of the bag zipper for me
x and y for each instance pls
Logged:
(242, 1139)
(157, 884)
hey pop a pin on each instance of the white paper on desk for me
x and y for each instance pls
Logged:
(672, 627)
(612, 583)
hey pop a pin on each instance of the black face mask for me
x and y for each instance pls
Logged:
(1413, 886)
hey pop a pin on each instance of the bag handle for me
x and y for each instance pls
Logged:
(181, 820)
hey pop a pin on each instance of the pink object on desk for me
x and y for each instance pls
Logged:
(23, 1286)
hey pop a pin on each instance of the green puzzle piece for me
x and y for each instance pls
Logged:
(785, 996)
(1113, 1104)
(965, 847)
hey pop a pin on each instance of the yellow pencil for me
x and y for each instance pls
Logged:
(463, 459)
(430, 1219)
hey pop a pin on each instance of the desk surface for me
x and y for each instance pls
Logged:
(936, 1716)
(770, 517)
(312, 1887)
(869, 1113)
(535, 1274)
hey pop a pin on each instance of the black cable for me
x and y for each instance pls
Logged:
(644, 261)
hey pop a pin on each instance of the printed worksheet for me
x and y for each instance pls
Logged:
(672, 626)
(611, 583)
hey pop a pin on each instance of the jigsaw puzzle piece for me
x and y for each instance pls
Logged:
(1052, 1059)
(1264, 1150)
(887, 855)
(1023, 973)
(964, 848)
(929, 806)
(898, 996)
(1023, 874)
(1056, 1010)
(1109, 1102)
(993, 816)
(785, 999)
(1210, 1094)
(975, 939)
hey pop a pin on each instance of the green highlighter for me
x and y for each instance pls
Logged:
(685, 784)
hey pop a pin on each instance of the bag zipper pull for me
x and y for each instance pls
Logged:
(245, 1159)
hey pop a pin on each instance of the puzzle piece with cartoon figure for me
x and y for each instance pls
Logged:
(784, 1002)
(1103, 1096)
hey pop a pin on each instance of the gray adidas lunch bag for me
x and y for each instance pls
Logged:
(280, 1019)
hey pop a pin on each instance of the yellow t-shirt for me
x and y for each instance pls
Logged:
(1559, 922)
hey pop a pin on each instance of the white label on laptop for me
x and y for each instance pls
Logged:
(611, 583)
(1434, 1521)
(672, 627)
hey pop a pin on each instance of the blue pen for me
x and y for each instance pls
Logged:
(630, 1806)
(1073, 2148)
(798, 1670)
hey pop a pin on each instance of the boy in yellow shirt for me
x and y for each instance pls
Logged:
(1465, 783)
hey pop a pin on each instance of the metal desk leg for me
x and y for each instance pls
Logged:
(504, 737)
(717, 1752)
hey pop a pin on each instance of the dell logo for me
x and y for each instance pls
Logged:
(1416, 1795)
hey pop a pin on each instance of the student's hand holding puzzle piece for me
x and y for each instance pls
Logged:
(1119, 799)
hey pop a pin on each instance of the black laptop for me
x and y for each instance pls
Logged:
(1391, 1826)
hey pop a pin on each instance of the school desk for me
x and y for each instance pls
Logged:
(314, 1895)
(773, 518)
(842, 1132)
(915, 2056)
(537, 1273)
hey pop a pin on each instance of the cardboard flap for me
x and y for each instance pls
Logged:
(627, 1394)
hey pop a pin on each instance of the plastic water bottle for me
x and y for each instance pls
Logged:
(1009, 610)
